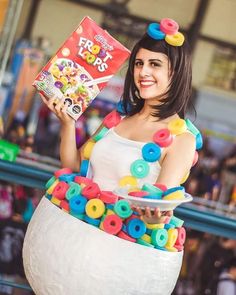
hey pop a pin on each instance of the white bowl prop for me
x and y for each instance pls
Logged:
(63, 255)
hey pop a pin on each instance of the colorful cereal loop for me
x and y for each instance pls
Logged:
(112, 119)
(88, 149)
(177, 195)
(151, 152)
(136, 228)
(177, 126)
(128, 181)
(77, 204)
(108, 197)
(175, 40)
(122, 209)
(139, 168)
(95, 49)
(74, 190)
(100, 134)
(112, 224)
(159, 237)
(95, 208)
(163, 137)
(60, 190)
(51, 188)
(172, 237)
(126, 237)
(91, 191)
(154, 31)
(181, 236)
(169, 26)
(62, 171)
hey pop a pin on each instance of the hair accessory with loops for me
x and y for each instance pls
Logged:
(168, 30)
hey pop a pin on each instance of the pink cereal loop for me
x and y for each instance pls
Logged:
(169, 26)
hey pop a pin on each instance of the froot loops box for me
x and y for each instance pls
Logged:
(81, 67)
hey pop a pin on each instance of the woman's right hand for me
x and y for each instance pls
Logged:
(59, 108)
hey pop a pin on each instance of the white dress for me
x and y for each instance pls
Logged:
(63, 255)
(119, 152)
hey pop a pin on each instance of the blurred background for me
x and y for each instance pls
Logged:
(31, 31)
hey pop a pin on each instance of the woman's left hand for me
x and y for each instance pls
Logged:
(153, 216)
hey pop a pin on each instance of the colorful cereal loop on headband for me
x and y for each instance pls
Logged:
(169, 26)
(175, 40)
(154, 32)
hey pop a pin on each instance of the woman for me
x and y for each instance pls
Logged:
(156, 94)
(157, 91)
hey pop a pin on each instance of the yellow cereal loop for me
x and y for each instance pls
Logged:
(172, 237)
(101, 225)
(171, 249)
(146, 238)
(51, 188)
(177, 126)
(110, 212)
(177, 195)
(64, 80)
(175, 40)
(95, 49)
(95, 208)
(88, 149)
(55, 201)
(128, 181)
(185, 178)
(154, 226)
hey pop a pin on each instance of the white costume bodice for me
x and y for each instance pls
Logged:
(111, 159)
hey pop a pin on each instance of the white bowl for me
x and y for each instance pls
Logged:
(164, 205)
(63, 255)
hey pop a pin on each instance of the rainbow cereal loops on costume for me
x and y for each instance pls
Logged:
(81, 67)
(82, 198)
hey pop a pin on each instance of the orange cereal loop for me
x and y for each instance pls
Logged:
(65, 51)
(177, 126)
(79, 30)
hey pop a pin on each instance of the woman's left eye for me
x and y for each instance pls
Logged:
(155, 64)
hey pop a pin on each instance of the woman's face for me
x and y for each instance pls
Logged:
(151, 73)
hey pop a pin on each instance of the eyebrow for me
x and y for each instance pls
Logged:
(151, 60)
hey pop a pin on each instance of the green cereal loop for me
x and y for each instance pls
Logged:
(122, 209)
(50, 182)
(177, 222)
(152, 190)
(144, 243)
(191, 127)
(159, 237)
(100, 134)
(139, 168)
(74, 190)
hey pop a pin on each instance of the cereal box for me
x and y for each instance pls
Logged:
(81, 67)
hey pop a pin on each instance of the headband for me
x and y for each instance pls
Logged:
(168, 30)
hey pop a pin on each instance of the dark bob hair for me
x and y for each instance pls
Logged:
(176, 99)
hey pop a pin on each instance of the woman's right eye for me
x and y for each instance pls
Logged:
(138, 63)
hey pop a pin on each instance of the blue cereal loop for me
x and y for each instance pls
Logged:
(77, 204)
(154, 32)
(151, 152)
(92, 221)
(174, 189)
(84, 167)
(199, 141)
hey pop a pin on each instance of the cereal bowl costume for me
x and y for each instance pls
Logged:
(84, 239)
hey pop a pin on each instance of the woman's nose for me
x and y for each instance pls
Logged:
(145, 71)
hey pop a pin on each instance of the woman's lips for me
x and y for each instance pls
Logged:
(146, 83)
